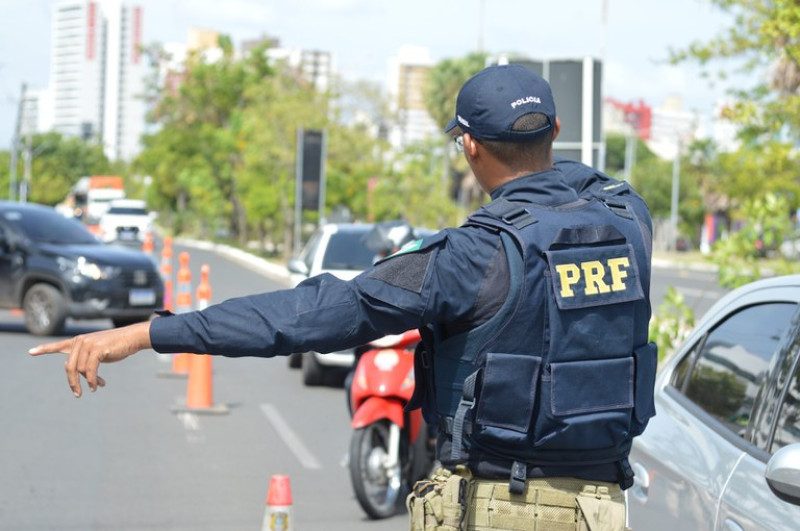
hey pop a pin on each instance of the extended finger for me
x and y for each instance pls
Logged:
(50, 348)
(71, 367)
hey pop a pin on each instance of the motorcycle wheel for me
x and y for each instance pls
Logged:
(379, 490)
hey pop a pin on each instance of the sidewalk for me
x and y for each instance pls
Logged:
(256, 263)
(692, 260)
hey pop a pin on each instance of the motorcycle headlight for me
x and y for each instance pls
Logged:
(84, 268)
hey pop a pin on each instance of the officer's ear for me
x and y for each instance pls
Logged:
(557, 129)
(470, 146)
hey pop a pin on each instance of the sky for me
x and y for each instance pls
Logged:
(631, 37)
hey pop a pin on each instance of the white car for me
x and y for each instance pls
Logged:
(126, 220)
(338, 249)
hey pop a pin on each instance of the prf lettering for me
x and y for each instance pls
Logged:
(593, 273)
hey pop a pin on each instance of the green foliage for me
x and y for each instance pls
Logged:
(652, 178)
(763, 39)
(444, 82)
(224, 152)
(417, 190)
(56, 165)
(615, 153)
(739, 257)
(671, 323)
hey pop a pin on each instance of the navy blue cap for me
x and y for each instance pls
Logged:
(493, 99)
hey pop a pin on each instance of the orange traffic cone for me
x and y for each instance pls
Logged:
(166, 272)
(183, 304)
(147, 245)
(199, 394)
(278, 515)
(203, 293)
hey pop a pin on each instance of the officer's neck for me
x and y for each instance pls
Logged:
(498, 174)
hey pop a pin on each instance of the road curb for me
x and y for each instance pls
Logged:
(256, 263)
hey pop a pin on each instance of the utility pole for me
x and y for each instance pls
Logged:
(27, 159)
(676, 180)
(12, 181)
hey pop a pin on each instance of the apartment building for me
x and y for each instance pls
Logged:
(97, 73)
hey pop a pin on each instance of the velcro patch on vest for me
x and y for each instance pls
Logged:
(594, 276)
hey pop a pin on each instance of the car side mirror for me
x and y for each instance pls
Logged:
(783, 473)
(298, 267)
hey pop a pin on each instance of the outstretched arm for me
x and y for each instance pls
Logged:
(86, 352)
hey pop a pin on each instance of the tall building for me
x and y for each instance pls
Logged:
(97, 73)
(408, 73)
(314, 66)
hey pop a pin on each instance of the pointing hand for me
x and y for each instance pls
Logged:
(86, 352)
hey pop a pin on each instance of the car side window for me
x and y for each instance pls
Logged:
(787, 430)
(723, 373)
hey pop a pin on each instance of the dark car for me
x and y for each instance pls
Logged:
(54, 268)
(723, 451)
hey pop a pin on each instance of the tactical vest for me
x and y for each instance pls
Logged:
(563, 373)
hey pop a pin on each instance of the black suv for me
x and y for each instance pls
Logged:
(54, 268)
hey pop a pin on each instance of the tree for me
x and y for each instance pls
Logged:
(615, 153)
(202, 136)
(444, 82)
(415, 189)
(58, 163)
(764, 38)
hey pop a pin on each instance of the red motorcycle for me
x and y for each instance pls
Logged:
(389, 448)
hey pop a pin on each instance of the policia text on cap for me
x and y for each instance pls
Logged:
(535, 363)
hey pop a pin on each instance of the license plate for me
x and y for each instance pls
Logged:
(142, 297)
(126, 235)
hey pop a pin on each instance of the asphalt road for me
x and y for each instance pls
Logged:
(121, 458)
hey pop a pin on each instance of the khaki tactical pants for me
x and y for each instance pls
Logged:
(457, 501)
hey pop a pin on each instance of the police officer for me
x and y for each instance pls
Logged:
(534, 361)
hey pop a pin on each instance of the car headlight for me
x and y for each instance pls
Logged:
(84, 268)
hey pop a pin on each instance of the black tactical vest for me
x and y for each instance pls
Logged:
(563, 373)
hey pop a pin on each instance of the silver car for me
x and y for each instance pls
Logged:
(723, 451)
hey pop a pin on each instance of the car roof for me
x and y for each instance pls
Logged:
(128, 203)
(752, 287)
(346, 227)
(15, 205)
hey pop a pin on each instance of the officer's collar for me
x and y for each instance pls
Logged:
(545, 186)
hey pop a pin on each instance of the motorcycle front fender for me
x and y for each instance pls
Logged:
(376, 408)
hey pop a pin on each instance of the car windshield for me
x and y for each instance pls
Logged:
(44, 225)
(346, 251)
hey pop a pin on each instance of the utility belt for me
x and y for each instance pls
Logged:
(458, 501)
(561, 461)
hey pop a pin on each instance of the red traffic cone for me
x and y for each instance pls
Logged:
(278, 515)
